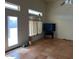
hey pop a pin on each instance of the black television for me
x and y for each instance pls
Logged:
(49, 27)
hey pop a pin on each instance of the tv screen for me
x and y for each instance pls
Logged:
(49, 27)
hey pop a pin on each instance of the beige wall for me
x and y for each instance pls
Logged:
(23, 18)
(63, 17)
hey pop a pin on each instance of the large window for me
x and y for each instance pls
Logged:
(35, 23)
(12, 30)
(35, 27)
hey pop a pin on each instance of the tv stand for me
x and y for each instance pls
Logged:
(49, 29)
(49, 34)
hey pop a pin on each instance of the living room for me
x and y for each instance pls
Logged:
(28, 34)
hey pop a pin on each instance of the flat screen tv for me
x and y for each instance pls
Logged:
(49, 27)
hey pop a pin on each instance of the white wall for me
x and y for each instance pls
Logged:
(63, 17)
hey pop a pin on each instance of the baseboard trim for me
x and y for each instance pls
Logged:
(12, 49)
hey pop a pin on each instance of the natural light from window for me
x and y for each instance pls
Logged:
(30, 11)
(12, 30)
(35, 27)
(39, 27)
(12, 6)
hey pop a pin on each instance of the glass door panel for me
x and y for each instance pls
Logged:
(12, 30)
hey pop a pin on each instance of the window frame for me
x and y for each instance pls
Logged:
(34, 12)
(12, 6)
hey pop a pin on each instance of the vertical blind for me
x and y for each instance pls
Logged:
(39, 23)
(35, 27)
